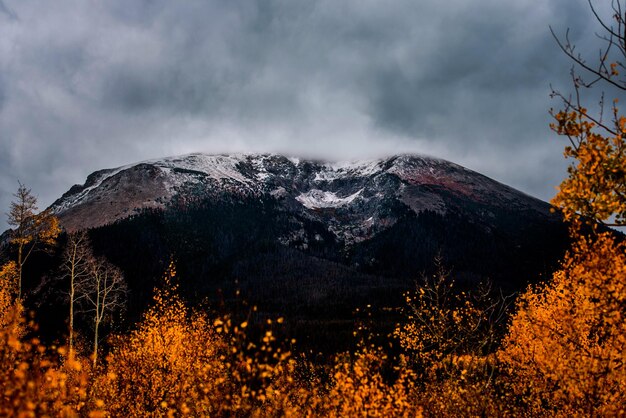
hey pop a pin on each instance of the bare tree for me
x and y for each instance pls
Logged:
(607, 68)
(104, 293)
(610, 61)
(31, 228)
(443, 323)
(76, 268)
(596, 183)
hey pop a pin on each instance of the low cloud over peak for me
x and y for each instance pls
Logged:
(88, 85)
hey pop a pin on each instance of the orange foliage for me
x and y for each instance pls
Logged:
(448, 337)
(440, 325)
(181, 362)
(566, 348)
(359, 389)
(30, 228)
(33, 381)
(469, 393)
(169, 364)
(596, 185)
(8, 283)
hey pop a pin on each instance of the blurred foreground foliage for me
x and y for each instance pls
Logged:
(561, 353)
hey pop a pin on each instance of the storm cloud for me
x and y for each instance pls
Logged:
(86, 85)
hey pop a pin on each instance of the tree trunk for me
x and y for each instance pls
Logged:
(19, 271)
(71, 336)
(97, 320)
(95, 343)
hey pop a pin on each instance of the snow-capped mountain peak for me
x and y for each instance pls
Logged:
(353, 198)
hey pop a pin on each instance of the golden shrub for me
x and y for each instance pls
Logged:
(566, 347)
(170, 363)
(358, 388)
(33, 380)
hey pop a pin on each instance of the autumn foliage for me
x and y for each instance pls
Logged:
(596, 185)
(562, 355)
(34, 380)
(566, 347)
(180, 362)
(169, 363)
(559, 351)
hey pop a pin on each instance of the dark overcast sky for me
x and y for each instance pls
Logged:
(90, 84)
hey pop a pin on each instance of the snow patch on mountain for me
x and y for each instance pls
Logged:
(218, 167)
(178, 171)
(318, 199)
(79, 197)
(334, 171)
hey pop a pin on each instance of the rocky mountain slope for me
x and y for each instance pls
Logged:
(350, 198)
(307, 239)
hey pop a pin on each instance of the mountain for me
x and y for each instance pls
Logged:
(308, 239)
(350, 197)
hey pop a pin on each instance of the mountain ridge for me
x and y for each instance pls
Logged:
(416, 180)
